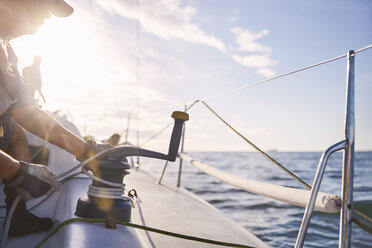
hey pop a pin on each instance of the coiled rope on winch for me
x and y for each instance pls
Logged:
(116, 193)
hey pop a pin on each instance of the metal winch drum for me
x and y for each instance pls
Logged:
(105, 197)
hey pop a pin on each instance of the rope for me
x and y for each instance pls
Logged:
(109, 193)
(48, 196)
(150, 229)
(362, 215)
(167, 126)
(38, 151)
(259, 150)
(115, 192)
(16, 201)
(191, 105)
(8, 221)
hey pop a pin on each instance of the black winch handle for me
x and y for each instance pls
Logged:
(125, 151)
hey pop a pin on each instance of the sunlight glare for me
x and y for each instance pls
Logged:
(74, 64)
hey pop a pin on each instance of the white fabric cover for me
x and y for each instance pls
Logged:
(325, 202)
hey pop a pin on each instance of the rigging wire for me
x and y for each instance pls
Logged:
(259, 150)
(253, 84)
(273, 78)
(167, 126)
(127, 129)
(191, 104)
(156, 135)
(284, 74)
(138, 75)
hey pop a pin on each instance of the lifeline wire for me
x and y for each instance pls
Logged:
(258, 149)
(273, 78)
(284, 74)
(261, 82)
(150, 229)
(363, 48)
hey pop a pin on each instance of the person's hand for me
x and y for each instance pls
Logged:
(33, 180)
(91, 148)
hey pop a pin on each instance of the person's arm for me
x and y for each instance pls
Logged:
(46, 127)
(8, 166)
(28, 180)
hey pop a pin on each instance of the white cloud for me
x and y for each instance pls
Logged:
(164, 18)
(256, 61)
(246, 40)
(266, 72)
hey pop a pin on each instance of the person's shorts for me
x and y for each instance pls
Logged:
(8, 127)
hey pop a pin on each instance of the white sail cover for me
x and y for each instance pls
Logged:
(325, 202)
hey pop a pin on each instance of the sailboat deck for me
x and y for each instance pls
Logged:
(162, 206)
(175, 209)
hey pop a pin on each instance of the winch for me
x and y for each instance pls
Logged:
(105, 197)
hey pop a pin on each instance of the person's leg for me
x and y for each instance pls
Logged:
(23, 221)
(14, 143)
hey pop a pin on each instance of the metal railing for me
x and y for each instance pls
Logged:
(347, 171)
(347, 145)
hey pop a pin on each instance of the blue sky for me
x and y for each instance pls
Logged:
(193, 49)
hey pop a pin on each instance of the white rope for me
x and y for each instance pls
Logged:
(116, 192)
(109, 193)
(8, 221)
(38, 151)
(325, 202)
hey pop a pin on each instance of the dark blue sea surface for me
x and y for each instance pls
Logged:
(274, 222)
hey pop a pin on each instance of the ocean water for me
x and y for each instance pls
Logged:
(274, 222)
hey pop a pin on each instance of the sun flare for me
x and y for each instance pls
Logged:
(74, 63)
